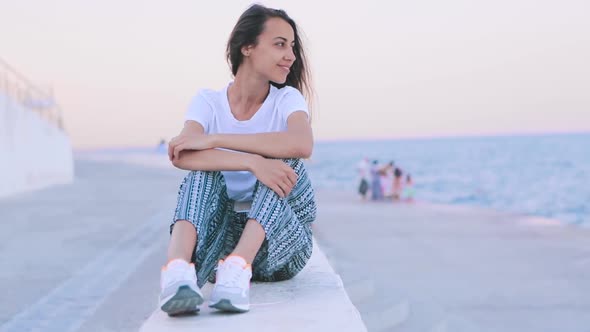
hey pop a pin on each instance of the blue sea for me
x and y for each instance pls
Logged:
(545, 176)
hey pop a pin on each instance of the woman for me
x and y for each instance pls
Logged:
(246, 208)
(397, 184)
(363, 169)
(386, 179)
(376, 190)
(409, 191)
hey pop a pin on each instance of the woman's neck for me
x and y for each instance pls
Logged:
(248, 90)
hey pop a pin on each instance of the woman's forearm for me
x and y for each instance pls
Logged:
(272, 145)
(215, 160)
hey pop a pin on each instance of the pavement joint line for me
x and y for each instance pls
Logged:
(60, 311)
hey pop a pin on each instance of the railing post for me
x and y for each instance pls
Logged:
(21, 90)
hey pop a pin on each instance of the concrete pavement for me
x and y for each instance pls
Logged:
(86, 257)
(456, 268)
(59, 245)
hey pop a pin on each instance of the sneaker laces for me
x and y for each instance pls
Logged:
(177, 273)
(232, 275)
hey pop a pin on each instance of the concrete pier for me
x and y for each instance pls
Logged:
(86, 256)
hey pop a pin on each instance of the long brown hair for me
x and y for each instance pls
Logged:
(246, 31)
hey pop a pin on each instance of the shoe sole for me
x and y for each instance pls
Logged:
(184, 301)
(226, 305)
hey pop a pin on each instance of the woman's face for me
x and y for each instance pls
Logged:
(273, 55)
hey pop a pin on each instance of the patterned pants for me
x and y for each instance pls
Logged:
(203, 201)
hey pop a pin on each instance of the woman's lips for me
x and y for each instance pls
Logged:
(285, 68)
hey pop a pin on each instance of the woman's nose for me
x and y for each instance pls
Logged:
(290, 55)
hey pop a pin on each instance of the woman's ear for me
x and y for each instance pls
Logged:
(246, 50)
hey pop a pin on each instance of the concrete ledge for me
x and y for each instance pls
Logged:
(315, 300)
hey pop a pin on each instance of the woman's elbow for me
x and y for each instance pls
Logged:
(301, 144)
(304, 150)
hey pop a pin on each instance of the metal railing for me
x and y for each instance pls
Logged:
(21, 90)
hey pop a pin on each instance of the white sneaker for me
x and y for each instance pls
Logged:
(232, 287)
(180, 293)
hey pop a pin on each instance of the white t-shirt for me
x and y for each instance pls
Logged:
(364, 169)
(211, 109)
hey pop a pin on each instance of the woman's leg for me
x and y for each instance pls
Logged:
(250, 241)
(201, 222)
(287, 227)
(201, 206)
(182, 241)
(275, 237)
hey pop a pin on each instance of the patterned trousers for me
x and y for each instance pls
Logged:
(203, 201)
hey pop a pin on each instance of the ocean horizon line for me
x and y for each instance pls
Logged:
(154, 146)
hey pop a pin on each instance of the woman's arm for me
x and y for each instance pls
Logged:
(274, 173)
(206, 160)
(214, 160)
(296, 142)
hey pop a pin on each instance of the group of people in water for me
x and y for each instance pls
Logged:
(384, 182)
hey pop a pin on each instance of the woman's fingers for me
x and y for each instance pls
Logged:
(170, 152)
(292, 176)
(277, 189)
(286, 188)
(288, 174)
(177, 150)
(277, 176)
(171, 146)
(287, 180)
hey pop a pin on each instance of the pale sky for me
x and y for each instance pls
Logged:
(125, 71)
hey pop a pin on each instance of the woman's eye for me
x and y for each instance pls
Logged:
(281, 44)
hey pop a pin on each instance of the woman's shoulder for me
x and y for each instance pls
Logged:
(288, 97)
(208, 98)
(209, 94)
(287, 90)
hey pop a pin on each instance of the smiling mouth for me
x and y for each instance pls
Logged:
(285, 68)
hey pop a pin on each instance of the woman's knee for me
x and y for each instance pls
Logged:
(204, 182)
(201, 194)
(183, 226)
(206, 176)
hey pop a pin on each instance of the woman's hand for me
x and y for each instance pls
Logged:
(275, 174)
(189, 142)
